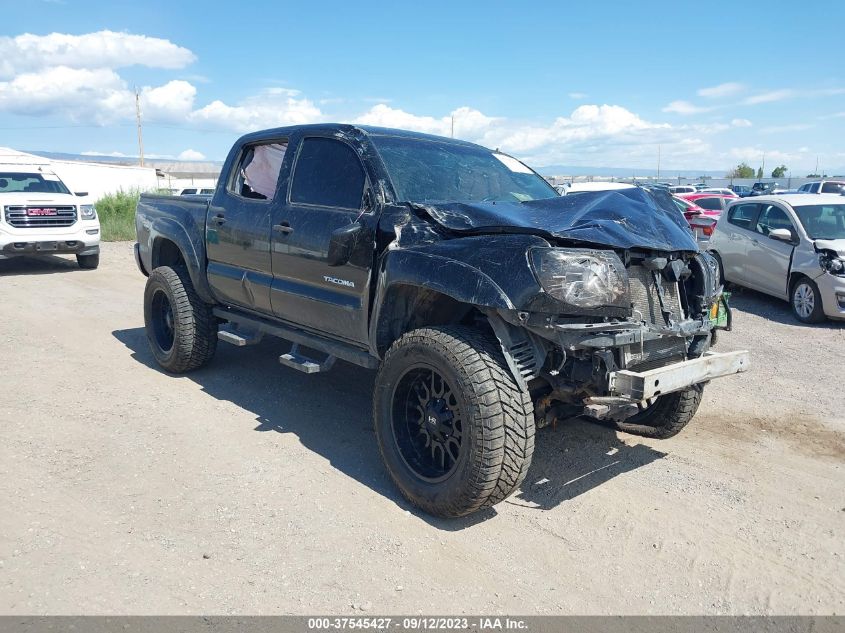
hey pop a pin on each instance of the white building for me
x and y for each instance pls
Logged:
(98, 179)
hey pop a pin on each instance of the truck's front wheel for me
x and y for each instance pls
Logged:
(181, 329)
(667, 416)
(455, 430)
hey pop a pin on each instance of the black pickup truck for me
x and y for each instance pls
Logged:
(489, 304)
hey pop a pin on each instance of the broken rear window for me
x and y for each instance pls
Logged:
(427, 171)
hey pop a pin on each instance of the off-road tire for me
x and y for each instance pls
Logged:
(667, 416)
(88, 262)
(499, 419)
(817, 314)
(194, 327)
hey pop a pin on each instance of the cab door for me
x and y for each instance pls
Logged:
(733, 245)
(328, 194)
(238, 227)
(768, 259)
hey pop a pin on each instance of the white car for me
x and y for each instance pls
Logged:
(678, 189)
(791, 247)
(823, 186)
(40, 216)
(723, 191)
(580, 187)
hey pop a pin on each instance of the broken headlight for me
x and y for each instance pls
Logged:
(831, 262)
(581, 278)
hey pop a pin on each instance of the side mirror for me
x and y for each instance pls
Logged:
(81, 194)
(782, 235)
(342, 244)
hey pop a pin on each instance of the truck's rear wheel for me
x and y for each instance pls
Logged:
(667, 416)
(455, 430)
(181, 329)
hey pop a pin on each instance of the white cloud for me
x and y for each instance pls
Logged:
(172, 101)
(722, 90)
(191, 154)
(741, 123)
(769, 97)
(578, 96)
(685, 107)
(792, 127)
(274, 107)
(104, 49)
(469, 123)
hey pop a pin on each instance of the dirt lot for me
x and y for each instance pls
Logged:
(250, 488)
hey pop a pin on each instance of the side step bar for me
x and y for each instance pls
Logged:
(295, 360)
(251, 328)
(240, 339)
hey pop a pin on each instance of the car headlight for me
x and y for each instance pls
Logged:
(582, 278)
(831, 262)
(87, 212)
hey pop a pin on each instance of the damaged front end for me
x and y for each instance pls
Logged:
(632, 327)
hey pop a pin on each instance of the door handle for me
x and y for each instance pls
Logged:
(284, 227)
(219, 219)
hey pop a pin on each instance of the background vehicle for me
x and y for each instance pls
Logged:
(721, 190)
(40, 216)
(763, 188)
(196, 191)
(709, 201)
(701, 221)
(823, 186)
(580, 187)
(489, 304)
(679, 189)
(741, 190)
(791, 247)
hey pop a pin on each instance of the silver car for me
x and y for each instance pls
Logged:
(789, 246)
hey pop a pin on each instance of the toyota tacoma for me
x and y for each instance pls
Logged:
(490, 305)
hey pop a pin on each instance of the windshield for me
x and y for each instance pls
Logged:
(823, 221)
(425, 170)
(11, 182)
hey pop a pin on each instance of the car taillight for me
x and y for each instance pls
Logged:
(708, 230)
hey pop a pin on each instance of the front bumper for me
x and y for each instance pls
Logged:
(83, 238)
(645, 385)
(832, 291)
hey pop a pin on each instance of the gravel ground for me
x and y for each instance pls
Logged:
(250, 488)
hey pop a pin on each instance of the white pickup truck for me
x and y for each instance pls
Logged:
(40, 216)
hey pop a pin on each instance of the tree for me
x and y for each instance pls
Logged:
(759, 173)
(743, 170)
(779, 172)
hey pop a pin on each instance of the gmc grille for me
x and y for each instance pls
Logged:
(20, 218)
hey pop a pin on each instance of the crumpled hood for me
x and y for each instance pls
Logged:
(625, 218)
(832, 245)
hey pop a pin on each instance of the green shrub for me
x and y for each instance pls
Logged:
(117, 215)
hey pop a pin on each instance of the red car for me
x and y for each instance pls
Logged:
(702, 221)
(709, 201)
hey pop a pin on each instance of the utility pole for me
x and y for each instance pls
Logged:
(138, 119)
(817, 165)
(763, 167)
(453, 126)
(658, 162)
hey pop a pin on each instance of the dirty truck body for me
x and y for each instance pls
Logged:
(490, 305)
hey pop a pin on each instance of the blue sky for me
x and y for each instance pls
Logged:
(599, 84)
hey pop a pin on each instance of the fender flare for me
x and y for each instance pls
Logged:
(454, 279)
(192, 250)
